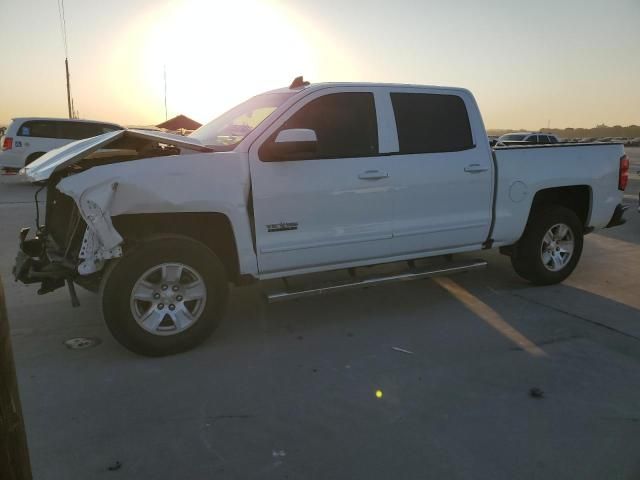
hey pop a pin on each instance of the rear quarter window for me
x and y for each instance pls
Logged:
(431, 123)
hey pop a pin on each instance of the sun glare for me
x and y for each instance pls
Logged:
(216, 54)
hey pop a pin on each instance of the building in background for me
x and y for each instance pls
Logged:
(180, 124)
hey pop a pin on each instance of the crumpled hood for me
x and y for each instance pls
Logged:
(59, 158)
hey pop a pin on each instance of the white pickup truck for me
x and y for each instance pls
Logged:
(305, 179)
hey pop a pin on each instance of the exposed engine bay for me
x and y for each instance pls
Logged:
(67, 248)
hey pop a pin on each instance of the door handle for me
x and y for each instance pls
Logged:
(373, 175)
(475, 168)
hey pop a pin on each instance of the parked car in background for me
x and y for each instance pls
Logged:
(493, 139)
(527, 138)
(28, 138)
(633, 142)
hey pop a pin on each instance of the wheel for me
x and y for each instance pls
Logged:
(164, 297)
(550, 247)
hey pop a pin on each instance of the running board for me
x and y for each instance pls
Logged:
(413, 274)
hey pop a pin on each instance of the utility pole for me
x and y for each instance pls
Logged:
(66, 66)
(63, 30)
(165, 93)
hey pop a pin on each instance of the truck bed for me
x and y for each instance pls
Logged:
(522, 171)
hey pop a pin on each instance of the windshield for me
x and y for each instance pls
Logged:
(230, 128)
(513, 137)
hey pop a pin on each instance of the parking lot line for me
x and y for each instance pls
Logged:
(620, 259)
(489, 315)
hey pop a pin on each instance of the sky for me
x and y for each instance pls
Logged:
(569, 63)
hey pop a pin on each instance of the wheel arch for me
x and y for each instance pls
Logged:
(577, 198)
(210, 228)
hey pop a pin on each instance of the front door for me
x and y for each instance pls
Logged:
(332, 207)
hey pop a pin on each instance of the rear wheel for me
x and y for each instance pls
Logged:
(550, 247)
(165, 297)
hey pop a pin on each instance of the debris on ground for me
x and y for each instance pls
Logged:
(536, 393)
(398, 349)
(114, 466)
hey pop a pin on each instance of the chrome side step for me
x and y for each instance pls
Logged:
(371, 281)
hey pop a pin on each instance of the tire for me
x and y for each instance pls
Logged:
(141, 300)
(544, 260)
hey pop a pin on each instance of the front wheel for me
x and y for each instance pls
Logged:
(550, 247)
(164, 297)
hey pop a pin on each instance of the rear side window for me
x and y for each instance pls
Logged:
(80, 130)
(65, 130)
(533, 139)
(345, 124)
(38, 128)
(431, 123)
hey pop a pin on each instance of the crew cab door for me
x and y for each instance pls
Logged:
(443, 173)
(331, 205)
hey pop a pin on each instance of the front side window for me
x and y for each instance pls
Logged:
(345, 125)
(431, 123)
(38, 128)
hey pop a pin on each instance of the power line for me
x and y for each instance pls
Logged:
(63, 30)
(63, 26)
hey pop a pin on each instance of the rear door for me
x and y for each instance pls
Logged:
(333, 207)
(442, 174)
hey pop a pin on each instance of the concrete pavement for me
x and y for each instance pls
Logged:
(289, 390)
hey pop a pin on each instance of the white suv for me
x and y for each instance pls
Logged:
(28, 138)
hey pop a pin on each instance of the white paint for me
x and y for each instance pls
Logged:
(347, 212)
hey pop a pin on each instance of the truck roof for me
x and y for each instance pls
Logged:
(321, 85)
(58, 119)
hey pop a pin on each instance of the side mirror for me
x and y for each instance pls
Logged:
(292, 144)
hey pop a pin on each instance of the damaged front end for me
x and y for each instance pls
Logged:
(77, 237)
(41, 260)
(63, 251)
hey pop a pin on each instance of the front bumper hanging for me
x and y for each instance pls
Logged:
(35, 263)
